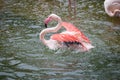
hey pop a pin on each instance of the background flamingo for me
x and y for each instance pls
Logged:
(112, 7)
(72, 37)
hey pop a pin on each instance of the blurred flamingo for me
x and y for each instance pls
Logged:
(112, 7)
(72, 37)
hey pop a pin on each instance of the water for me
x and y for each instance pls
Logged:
(24, 57)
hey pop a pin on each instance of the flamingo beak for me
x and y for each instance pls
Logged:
(46, 21)
(45, 25)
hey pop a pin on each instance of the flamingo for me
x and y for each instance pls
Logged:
(112, 7)
(71, 38)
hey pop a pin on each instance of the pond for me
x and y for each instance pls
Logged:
(24, 57)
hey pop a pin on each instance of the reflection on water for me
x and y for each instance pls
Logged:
(23, 56)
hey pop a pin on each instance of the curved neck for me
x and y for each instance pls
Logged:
(47, 30)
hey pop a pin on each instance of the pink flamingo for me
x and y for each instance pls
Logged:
(112, 7)
(72, 37)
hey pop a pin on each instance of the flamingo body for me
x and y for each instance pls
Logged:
(72, 37)
(72, 34)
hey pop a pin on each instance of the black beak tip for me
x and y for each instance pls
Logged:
(46, 25)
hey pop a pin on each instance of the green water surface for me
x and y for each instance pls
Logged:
(24, 57)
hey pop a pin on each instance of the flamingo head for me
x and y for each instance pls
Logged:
(50, 18)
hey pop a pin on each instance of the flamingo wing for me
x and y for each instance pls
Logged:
(70, 27)
(64, 38)
(84, 38)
